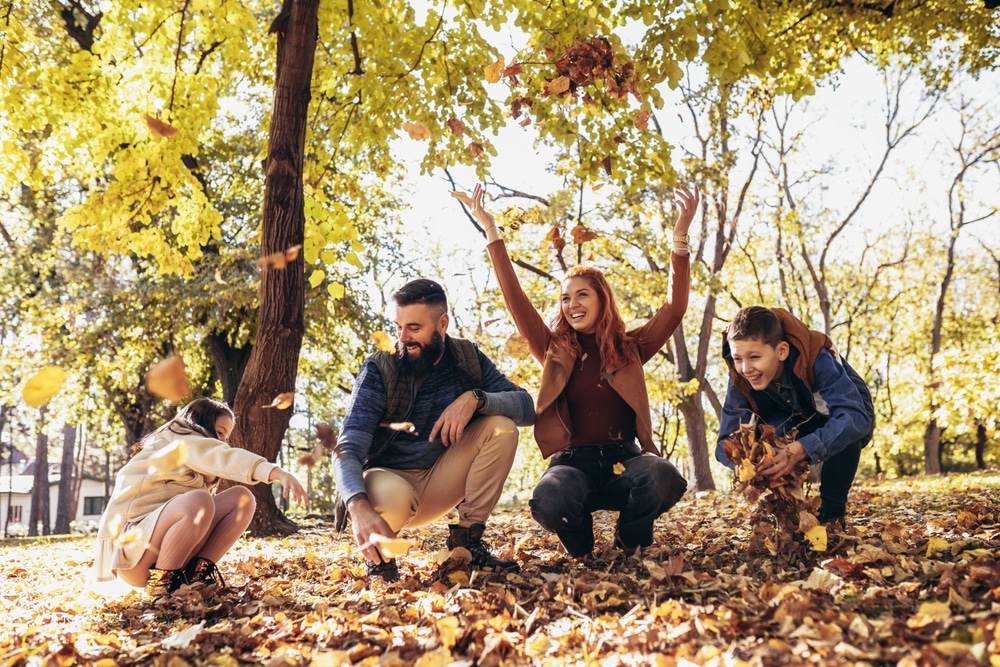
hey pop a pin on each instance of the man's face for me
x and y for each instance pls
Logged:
(758, 362)
(420, 330)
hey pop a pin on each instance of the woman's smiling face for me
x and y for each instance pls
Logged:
(580, 305)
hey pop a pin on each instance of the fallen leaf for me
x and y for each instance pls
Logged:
(43, 385)
(517, 346)
(934, 545)
(389, 546)
(618, 468)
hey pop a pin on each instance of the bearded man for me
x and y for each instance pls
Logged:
(430, 427)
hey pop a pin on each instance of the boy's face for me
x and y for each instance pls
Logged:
(758, 362)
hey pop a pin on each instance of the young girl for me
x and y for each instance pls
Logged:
(593, 410)
(162, 524)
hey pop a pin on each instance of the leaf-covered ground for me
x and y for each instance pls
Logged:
(913, 580)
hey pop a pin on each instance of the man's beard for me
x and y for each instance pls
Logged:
(424, 360)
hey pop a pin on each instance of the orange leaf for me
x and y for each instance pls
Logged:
(641, 119)
(581, 235)
(493, 72)
(278, 260)
(417, 130)
(557, 86)
(282, 401)
(456, 126)
(158, 127)
(168, 379)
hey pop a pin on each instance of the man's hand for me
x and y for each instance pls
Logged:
(366, 522)
(784, 461)
(452, 422)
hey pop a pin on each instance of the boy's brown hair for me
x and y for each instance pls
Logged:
(756, 323)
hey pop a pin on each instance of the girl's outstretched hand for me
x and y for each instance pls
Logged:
(290, 485)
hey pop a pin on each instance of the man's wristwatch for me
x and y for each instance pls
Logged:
(480, 396)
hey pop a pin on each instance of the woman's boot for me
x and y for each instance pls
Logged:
(164, 582)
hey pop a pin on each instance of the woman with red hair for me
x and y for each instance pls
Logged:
(592, 409)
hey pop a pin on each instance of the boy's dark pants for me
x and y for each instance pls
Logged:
(582, 480)
(836, 479)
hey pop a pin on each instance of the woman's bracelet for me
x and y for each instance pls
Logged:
(682, 238)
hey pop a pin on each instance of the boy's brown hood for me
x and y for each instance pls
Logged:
(799, 336)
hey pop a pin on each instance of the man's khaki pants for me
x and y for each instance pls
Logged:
(470, 475)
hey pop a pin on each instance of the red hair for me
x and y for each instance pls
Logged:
(617, 349)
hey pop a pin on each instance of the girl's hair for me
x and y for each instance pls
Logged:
(198, 417)
(617, 349)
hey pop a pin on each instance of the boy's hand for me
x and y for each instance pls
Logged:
(784, 461)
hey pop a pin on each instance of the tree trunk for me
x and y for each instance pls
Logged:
(980, 445)
(273, 361)
(694, 417)
(64, 505)
(932, 448)
(136, 418)
(40, 491)
(229, 362)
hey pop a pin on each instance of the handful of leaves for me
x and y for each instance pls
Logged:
(784, 523)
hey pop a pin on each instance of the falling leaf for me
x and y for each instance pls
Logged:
(169, 459)
(160, 128)
(557, 86)
(43, 385)
(462, 197)
(168, 379)
(279, 260)
(581, 235)
(129, 536)
(817, 538)
(405, 427)
(389, 546)
(492, 73)
(383, 341)
(417, 131)
(456, 126)
(618, 468)
(219, 279)
(282, 401)
(606, 165)
(517, 346)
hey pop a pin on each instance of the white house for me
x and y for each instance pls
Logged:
(15, 499)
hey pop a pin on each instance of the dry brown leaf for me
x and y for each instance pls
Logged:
(160, 128)
(456, 126)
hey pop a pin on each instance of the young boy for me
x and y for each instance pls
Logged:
(792, 378)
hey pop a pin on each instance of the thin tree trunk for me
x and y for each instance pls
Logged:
(273, 362)
(980, 445)
(40, 491)
(694, 418)
(64, 504)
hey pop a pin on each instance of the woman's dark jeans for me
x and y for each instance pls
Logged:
(582, 480)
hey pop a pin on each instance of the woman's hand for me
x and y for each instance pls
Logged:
(687, 204)
(481, 215)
